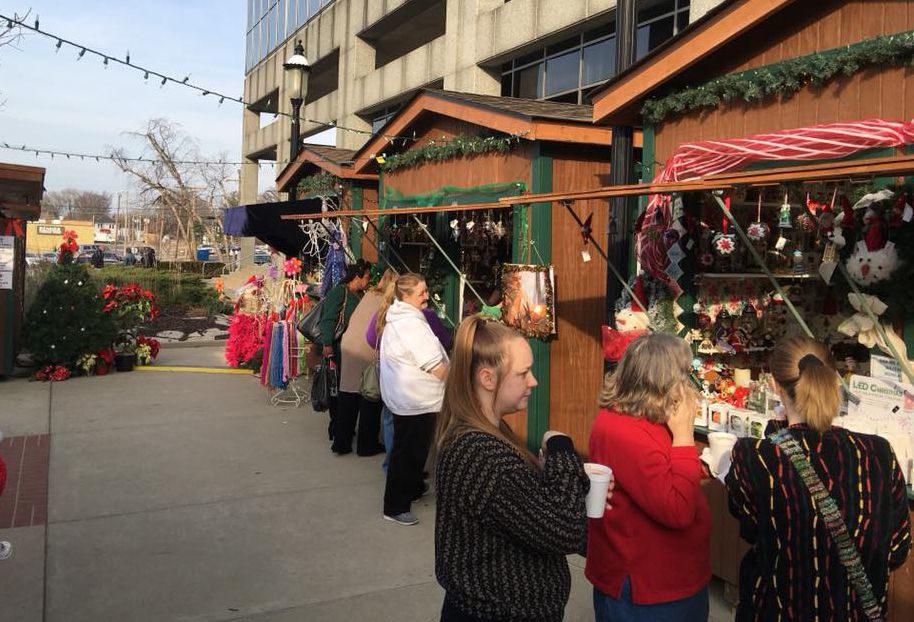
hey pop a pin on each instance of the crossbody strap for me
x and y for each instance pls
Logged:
(339, 322)
(834, 522)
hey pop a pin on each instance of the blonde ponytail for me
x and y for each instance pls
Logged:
(404, 285)
(805, 370)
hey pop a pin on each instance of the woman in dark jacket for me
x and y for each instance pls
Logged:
(793, 570)
(504, 522)
(338, 306)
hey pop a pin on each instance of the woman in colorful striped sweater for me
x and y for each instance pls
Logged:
(793, 570)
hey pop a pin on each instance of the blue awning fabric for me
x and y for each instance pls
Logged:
(262, 221)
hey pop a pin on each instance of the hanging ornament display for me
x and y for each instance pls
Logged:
(784, 215)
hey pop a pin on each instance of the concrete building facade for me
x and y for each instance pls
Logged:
(369, 56)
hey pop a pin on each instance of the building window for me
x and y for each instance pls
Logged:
(566, 71)
(272, 22)
(382, 116)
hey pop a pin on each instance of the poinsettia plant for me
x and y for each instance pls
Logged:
(147, 349)
(53, 373)
(129, 306)
(67, 248)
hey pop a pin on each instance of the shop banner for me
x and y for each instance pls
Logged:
(7, 259)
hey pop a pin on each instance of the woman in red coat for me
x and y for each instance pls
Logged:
(649, 558)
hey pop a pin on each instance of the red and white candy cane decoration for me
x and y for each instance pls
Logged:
(711, 157)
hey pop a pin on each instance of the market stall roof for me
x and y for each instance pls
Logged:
(619, 100)
(331, 159)
(21, 189)
(527, 118)
(264, 221)
(890, 166)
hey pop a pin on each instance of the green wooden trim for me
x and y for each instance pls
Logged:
(541, 233)
(355, 228)
(648, 152)
(9, 320)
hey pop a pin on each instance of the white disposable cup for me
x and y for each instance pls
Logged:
(599, 485)
(721, 443)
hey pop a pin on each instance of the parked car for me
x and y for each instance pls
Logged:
(113, 259)
(50, 256)
(32, 258)
(261, 257)
(85, 257)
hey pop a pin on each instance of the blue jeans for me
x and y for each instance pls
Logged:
(608, 609)
(387, 431)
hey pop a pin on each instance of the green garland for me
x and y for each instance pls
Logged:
(319, 183)
(458, 147)
(785, 78)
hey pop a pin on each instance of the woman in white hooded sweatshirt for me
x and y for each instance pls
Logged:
(413, 369)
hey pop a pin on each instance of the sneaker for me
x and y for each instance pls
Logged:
(6, 550)
(406, 518)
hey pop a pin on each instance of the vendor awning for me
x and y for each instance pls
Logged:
(820, 171)
(264, 221)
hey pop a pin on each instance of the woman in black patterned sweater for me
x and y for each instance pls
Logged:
(793, 570)
(505, 521)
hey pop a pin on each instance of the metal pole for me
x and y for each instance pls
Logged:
(619, 236)
(295, 142)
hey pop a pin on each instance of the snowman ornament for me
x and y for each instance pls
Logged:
(873, 259)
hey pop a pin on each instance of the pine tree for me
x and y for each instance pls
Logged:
(65, 321)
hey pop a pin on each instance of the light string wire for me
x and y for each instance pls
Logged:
(99, 157)
(164, 79)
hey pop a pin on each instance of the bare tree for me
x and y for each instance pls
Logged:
(74, 204)
(270, 195)
(11, 33)
(179, 180)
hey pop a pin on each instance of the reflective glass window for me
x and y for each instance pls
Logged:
(653, 34)
(650, 10)
(562, 72)
(529, 58)
(315, 7)
(528, 82)
(599, 61)
(302, 12)
(600, 31)
(506, 84)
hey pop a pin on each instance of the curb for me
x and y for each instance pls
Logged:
(204, 343)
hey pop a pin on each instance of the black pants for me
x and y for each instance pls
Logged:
(353, 408)
(412, 437)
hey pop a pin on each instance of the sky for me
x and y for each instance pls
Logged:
(51, 100)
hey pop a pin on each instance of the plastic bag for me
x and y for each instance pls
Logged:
(325, 385)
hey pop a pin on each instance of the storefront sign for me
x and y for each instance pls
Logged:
(887, 406)
(885, 368)
(7, 258)
(50, 230)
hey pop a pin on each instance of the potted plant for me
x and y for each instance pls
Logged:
(147, 349)
(129, 306)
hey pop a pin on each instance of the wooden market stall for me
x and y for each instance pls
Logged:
(21, 189)
(445, 149)
(322, 170)
(752, 99)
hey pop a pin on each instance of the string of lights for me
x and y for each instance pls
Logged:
(100, 157)
(69, 155)
(164, 78)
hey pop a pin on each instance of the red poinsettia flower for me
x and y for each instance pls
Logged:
(107, 355)
(108, 291)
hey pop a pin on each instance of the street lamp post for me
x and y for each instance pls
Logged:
(297, 69)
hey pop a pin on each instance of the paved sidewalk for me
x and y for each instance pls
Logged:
(176, 495)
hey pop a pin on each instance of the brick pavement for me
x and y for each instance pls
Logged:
(25, 501)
